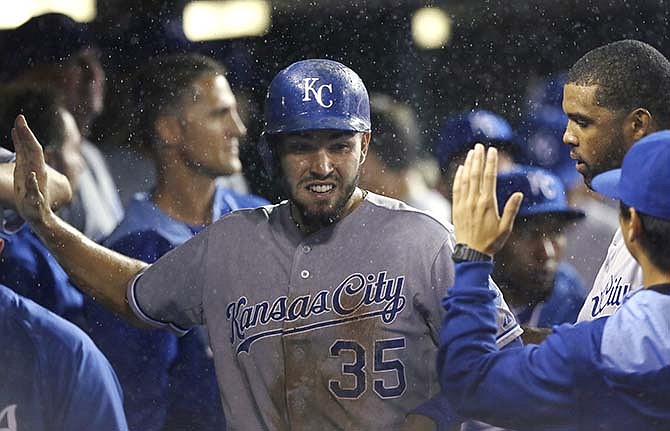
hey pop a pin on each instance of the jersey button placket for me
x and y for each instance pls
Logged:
(302, 273)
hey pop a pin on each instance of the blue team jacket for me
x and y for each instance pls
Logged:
(168, 382)
(52, 377)
(562, 305)
(609, 374)
(28, 268)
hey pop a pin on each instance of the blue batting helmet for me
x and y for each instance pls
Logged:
(316, 95)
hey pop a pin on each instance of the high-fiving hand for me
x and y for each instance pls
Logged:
(475, 208)
(30, 175)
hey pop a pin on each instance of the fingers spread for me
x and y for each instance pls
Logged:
(510, 211)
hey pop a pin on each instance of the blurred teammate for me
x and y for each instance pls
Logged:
(188, 122)
(26, 266)
(56, 51)
(541, 287)
(460, 133)
(391, 165)
(320, 310)
(52, 376)
(611, 373)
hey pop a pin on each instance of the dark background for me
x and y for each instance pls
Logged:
(496, 49)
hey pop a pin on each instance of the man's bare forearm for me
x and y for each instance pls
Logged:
(534, 335)
(101, 273)
(57, 184)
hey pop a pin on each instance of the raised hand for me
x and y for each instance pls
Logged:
(30, 175)
(475, 209)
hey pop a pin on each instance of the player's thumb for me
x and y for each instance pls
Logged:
(510, 211)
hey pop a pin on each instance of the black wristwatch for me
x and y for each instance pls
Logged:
(463, 253)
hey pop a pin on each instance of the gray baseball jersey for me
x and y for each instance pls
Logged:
(619, 275)
(334, 330)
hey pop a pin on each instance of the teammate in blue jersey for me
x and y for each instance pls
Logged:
(26, 266)
(541, 287)
(612, 373)
(52, 376)
(158, 370)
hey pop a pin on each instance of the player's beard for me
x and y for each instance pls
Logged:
(613, 158)
(324, 215)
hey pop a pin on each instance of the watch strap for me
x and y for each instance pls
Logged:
(463, 253)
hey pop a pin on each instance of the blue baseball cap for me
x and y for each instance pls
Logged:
(543, 193)
(45, 39)
(316, 94)
(542, 131)
(543, 127)
(463, 131)
(643, 182)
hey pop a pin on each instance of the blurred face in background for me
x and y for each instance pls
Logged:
(81, 80)
(527, 264)
(83, 84)
(210, 128)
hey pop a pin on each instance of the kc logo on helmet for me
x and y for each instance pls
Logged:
(317, 93)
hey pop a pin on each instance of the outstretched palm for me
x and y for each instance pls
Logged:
(30, 174)
(475, 209)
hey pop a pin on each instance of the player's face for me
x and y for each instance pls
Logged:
(594, 133)
(211, 128)
(528, 262)
(83, 83)
(320, 172)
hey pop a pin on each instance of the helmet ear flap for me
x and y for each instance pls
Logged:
(268, 156)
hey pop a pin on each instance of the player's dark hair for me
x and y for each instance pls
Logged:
(162, 86)
(656, 239)
(630, 74)
(395, 134)
(40, 105)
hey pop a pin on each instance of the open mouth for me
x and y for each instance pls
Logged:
(320, 188)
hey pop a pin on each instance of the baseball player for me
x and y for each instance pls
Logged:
(26, 262)
(461, 132)
(157, 370)
(322, 311)
(614, 95)
(608, 374)
(68, 61)
(52, 376)
(542, 288)
(391, 165)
